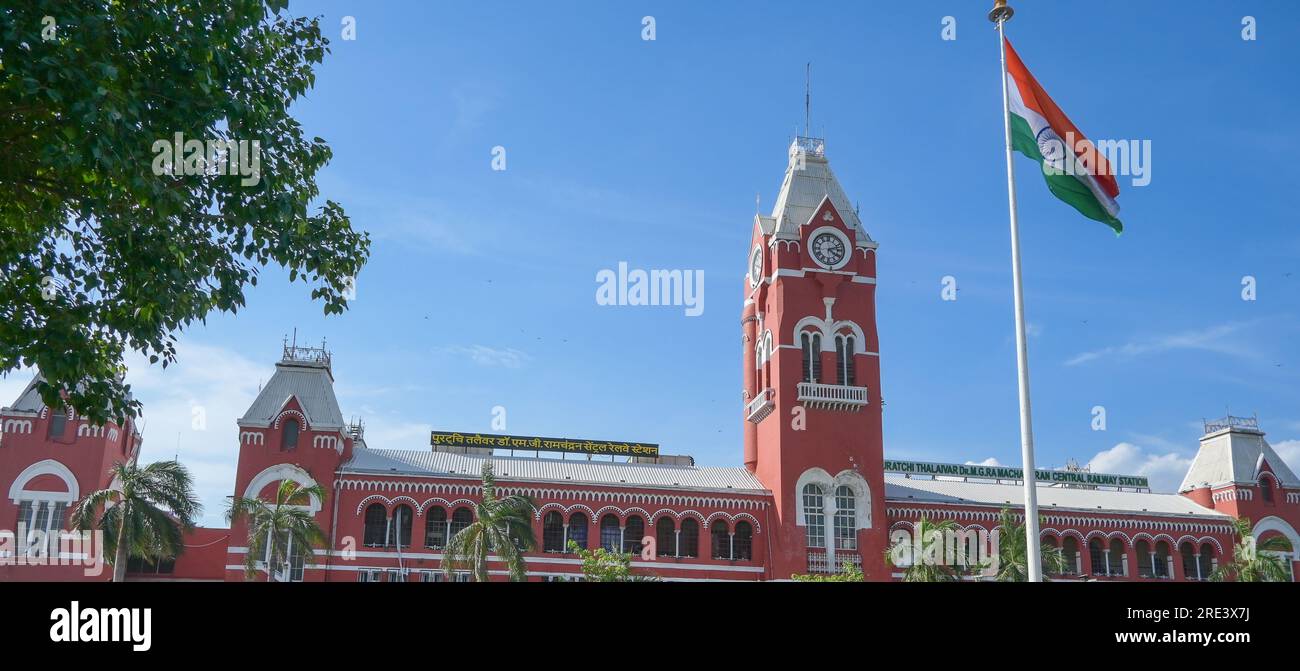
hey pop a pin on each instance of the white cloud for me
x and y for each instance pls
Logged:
(1222, 339)
(190, 409)
(991, 461)
(1164, 471)
(487, 356)
(1289, 450)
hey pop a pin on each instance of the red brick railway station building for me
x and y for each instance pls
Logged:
(813, 491)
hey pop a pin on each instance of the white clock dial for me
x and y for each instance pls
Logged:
(756, 267)
(829, 248)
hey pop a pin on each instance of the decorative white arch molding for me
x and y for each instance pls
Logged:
(384, 500)
(283, 472)
(1128, 541)
(1076, 535)
(812, 476)
(618, 512)
(1274, 523)
(828, 329)
(302, 419)
(699, 517)
(537, 515)
(1218, 547)
(568, 512)
(1155, 540)
(1096, 534)
(407, 500)
(861, 493)
(18, 490)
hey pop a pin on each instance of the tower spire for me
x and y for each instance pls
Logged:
(807, 100)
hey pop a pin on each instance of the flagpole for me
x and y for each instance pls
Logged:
(1000, 14)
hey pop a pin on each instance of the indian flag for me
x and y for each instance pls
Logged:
(1076, 172)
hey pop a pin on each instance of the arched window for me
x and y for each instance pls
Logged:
(376, 525)
(690, 541)
(289, 438)
(1070, 552)
(1118, 565)
(633, 534)
(721, 540)
(1161, 564)
(1097, 556)
(1145, 559)
(578, 530)
(553, 532)
(611, 536)
(1266, 489)
(435, 528)
(814, 514)
(402, 516)
(459, 520)
(845, 372)
(744, 541)
(811, 343)
(1187, 552)
(846, 514)
(666, 537)
(1206, 561)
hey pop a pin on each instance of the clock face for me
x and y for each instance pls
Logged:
(828, 248)
(756, 266)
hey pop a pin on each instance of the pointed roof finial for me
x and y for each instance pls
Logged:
(807, 100)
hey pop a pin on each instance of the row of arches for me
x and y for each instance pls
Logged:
(1108, 557)
(728, 539)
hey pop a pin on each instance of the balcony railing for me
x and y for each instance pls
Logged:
(818, 561)
(761, 406)
(832, 396)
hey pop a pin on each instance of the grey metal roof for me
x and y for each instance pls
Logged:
(803, 189)
(310, 383)
(559, 471)
(29, 400)
(898, 488)
(1234, 455)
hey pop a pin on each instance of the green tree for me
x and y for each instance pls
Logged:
(101, 249)
(144, 513)
(848, 573)
(274, 526)
(1255, 561)
(924, 561)
(1013, 552)
(502, 525)
(601, 565)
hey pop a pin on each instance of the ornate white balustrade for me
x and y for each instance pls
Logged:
(832, 396)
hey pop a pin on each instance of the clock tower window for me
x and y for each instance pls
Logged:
(811, 343)
(845, 374)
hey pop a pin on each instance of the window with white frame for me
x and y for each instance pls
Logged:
(846, 515)
(814, 514)
(811, 344)
(368, 575)
(845, 372)
(41, 520)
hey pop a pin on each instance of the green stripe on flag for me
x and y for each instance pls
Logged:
(1068, 188)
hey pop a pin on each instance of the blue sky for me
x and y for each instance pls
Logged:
(480, 291)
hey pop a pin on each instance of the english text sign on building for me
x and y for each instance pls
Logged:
(487, 440)
(1012, 473)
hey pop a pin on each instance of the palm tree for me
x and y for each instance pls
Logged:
(275, 526)
(920, 567)
(144, 513)
(1013, 552)
(1255, 560)
(502, 525)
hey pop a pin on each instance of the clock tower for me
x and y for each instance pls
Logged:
(811, 370)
